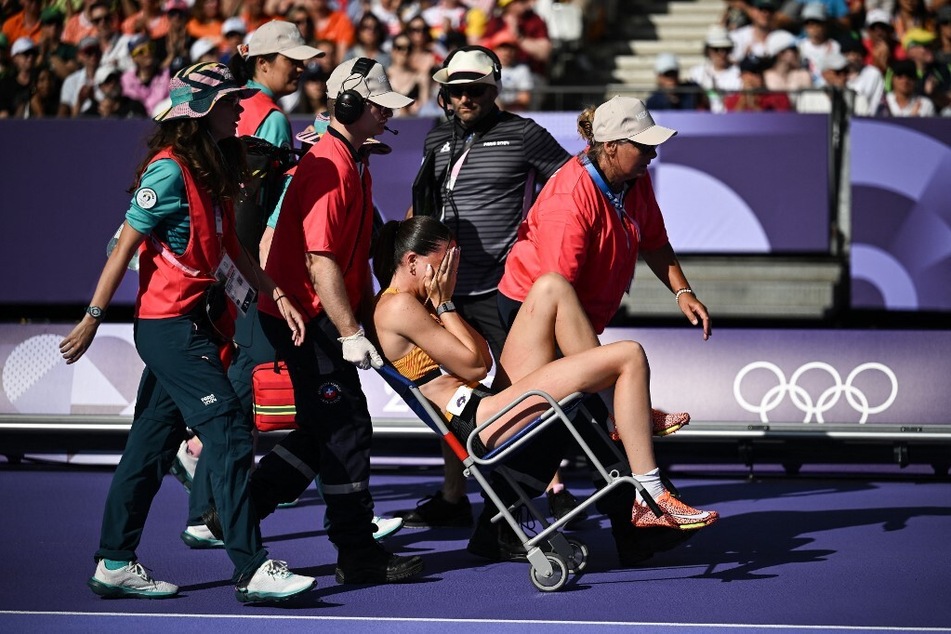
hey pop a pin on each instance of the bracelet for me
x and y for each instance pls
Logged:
(279, 298)
(681, 292)
(445, 307)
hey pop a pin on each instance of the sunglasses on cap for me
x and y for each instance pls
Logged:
(475, 91)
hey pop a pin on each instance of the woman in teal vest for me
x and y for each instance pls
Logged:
(181, 223)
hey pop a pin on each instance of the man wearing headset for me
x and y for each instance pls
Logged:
(320, 250)
(485, 164)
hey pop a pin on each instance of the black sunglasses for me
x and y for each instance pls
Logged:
(475, 91)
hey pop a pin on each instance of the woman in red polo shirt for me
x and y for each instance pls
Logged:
(595, 215)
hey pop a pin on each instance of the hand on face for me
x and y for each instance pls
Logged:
(440, 283)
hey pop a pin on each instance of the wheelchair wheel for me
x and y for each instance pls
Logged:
(558, 578)
(578, 560)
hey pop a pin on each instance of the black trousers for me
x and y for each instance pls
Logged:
(333, 439)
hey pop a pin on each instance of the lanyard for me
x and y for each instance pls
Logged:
(457, 166)
(170, 257)
(616, 199)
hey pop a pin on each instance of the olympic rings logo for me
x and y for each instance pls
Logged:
(814, 409)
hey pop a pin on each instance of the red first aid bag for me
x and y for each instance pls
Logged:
(273, 397)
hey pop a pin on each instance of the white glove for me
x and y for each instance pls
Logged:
(358, 350)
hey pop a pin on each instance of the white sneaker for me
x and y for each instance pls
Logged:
(273, 582)
(386, 526)
(200, 537)
(183, 468)
(132, 580)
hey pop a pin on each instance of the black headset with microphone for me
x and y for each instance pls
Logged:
(350, 104)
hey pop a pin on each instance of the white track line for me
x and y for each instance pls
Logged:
(377, 619)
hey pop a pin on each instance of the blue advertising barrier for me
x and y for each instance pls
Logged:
(726, 185)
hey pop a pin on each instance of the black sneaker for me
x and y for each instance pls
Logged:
(497, 542)
(433, 511)
(562, 503)
(373, 564)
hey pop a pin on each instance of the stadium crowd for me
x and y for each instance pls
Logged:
(113, 58)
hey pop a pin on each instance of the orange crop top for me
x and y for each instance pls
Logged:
(416, 363)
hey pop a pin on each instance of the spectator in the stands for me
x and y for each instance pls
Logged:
(786, 73)
(406, 78)
(313, 92)
(911, 14)
(300, 16)
(332, 25)
(934, 80)
(517, 81)
(671, 92)
(735, 15)
(445, 16)
(880, 40)
(816, 44)
(149, 17)
(233, 31)
(864, 79)
(80, 24)
(113, 44)
(530, 31)
(902, 99)
(426, 56)
(54, 52)
(25, 22)
(717, 74)
(172, 49)
(754, 97)
(147, 82)
(371, 40)
(206, 19)
(108, 100)
(17, 87)
(328, 61)
(791, 14)
(44, 95)
(750, 40)
(77, 90)
(943, 30)
(835, 75)
(204, 50)
(253, 14)
(390, 13)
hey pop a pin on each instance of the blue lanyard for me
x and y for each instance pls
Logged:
(616, 199)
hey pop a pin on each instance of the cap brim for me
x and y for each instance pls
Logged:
(186, 111)
(442, 77)
(654, 135)
(302, 53)
(392, 100)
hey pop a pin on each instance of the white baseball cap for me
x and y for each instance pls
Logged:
(201, 47)
(666, 62)
(278, 36)
(375, 86)
(627, 118)
(22, 45)
(779, 40)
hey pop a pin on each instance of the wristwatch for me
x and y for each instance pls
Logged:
(445, 307)
(95, 312)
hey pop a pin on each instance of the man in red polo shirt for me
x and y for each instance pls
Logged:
(320, 251)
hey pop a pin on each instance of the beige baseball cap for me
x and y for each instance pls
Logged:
(627, 118)
(278, 36)
(375, 86)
